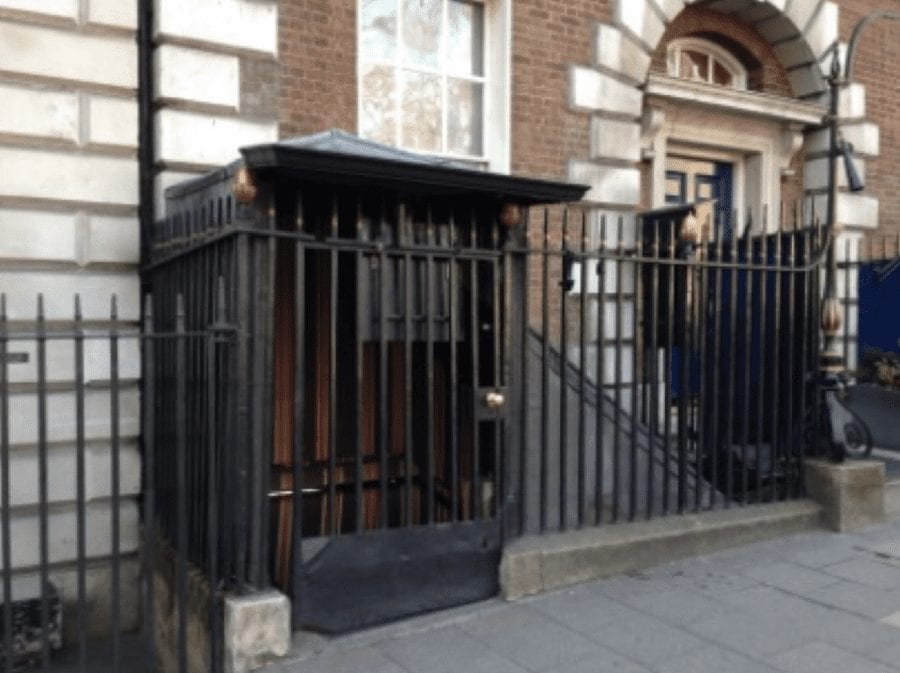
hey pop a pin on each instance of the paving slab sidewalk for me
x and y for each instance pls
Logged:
(817, 602)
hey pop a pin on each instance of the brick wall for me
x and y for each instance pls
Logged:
(548, 37)
(317, 50)
(317, 45)
(876, 66)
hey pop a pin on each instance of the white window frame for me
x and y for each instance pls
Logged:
(495, 80)
(714, 54)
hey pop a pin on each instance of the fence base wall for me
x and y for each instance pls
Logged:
(167, 612)
(852, 494)
(536, 564)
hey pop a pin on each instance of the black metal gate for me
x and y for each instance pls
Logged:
(392, 499)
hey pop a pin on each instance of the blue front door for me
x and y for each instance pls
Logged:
(691, 180)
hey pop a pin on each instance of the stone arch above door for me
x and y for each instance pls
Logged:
(611, 90)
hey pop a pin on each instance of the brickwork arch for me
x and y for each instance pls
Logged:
(801, 36)
(798, 34)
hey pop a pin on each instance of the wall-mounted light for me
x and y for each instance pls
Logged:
(854, 180)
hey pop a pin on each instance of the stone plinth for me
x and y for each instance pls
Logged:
(851, 493)
(257, 630)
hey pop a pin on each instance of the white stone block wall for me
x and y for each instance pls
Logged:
(69, 224)
(209, 55)
(69, 203)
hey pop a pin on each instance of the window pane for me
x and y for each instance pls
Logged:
(694, 66)
(378, 115)
(379, 29)
(422, 28)
(721, 75)
(464, 117)
(465, 48)
(421, 112)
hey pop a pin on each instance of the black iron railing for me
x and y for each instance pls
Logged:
(665, 376)
(90, 581)
(408, 381)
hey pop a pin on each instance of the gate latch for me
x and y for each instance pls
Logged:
(493, 403)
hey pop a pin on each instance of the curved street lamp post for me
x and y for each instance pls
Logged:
(831, 360)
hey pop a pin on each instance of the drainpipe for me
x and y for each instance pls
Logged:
(146, 140)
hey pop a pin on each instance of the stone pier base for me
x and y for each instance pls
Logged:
(257, 630)
(851, 493)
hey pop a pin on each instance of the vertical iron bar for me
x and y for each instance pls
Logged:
(299, 415)
(820, 238)
(635, 366)
(240, 474)
(545, 372)
(790, 437)
(716, 440)
(563, 376)
(335, 524)
(80, 494)
(43, 490)
(148, 440)
(582, 374)
(653, 361)
(617, 390)
(383, 368)
(114, 481)
(359, 261)
(406, 241)
(749, 285)
(716, 425)
(804, 352)
(525, 257)
(685, 386)
(429, 290)
(601, 373)
(476, 358)
(776, 366)
(761, 371)
(667, 370)
(731, 379)
(181, 482)
(698, 342)
(212, 463)
(453, 263)
(5, 498)
(497, 330)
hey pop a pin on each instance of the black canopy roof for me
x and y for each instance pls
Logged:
(338, 156)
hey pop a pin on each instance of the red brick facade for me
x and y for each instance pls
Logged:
(317, 47)
(876, 66)
(318, 78)
(548, 37)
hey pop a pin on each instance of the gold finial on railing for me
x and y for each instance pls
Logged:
(244, 186)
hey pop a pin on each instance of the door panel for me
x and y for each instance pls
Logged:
(690, 180)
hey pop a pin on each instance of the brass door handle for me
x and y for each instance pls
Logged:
(494, 400)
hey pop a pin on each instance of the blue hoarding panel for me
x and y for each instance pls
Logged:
(879, 307)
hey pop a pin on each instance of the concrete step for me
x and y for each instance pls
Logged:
(534, 564)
